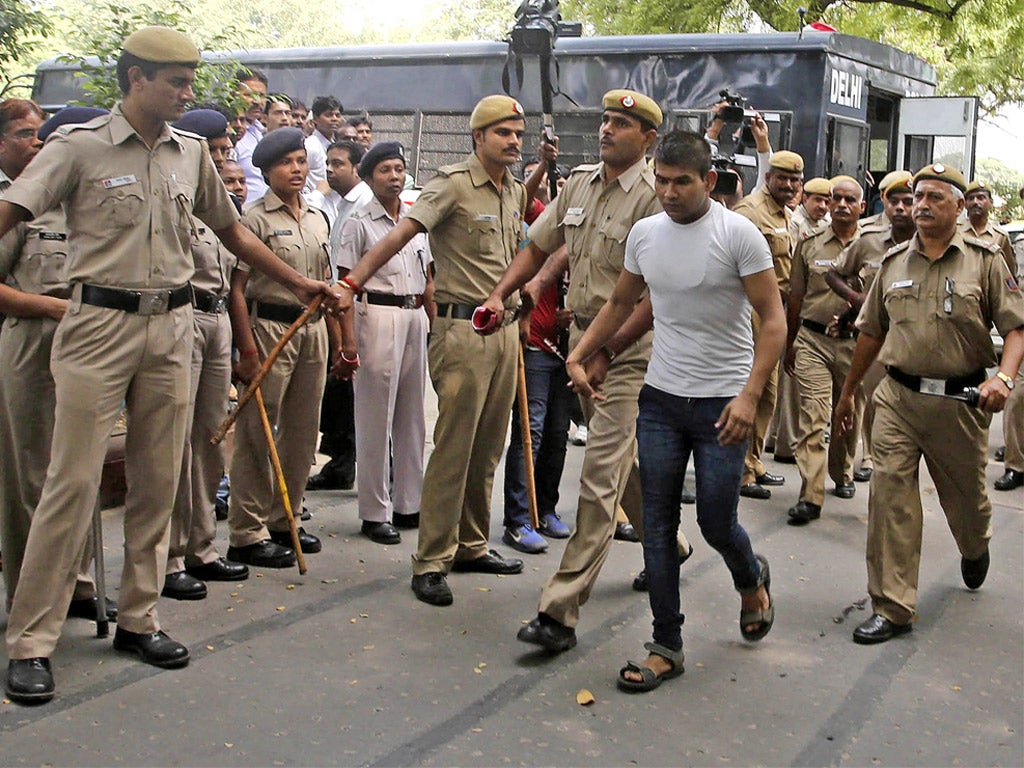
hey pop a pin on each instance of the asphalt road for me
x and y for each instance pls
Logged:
(344, 666)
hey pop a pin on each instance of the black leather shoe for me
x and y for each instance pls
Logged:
(406, 521)
(688, 496)
(85, 608)
(803, 513)
(491, 562)
(780, 459)
(219, 570)
(155, 648)
(863, 475)
(626, 532)
(263, 554)
(432, 588)
(549, 634)
(878, 629)
(845, 490)
(29, 681)
(310, 544)
(183, 586)
(322, 482)
(754, 491)
(974, 571)
(1012, 479)
(1001, 453)
(769, 479)
(640, 583)
(381, 533)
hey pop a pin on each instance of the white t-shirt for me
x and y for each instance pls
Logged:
(703, 346)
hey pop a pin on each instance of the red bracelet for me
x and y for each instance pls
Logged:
(247, 352)
(351, 284)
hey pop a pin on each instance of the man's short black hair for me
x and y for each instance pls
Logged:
(684, 149)
(299, 104)
(360, 120)
(354, 149)
(280, 98)
(149, 68)
(323, 104)
(248, 73)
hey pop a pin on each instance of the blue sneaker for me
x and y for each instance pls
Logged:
(552, 525)
(524, 539)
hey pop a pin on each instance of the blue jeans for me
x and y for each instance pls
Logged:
(549, 399)
(669, 429)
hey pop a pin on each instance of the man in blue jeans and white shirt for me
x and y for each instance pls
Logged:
(705, 267)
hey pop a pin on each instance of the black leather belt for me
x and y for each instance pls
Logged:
(139, 302)
(823, 330)
(409, 301)
(950, 386)
(456, 311)
(277, 313)
(208, 301)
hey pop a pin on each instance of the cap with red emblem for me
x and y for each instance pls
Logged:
(493, 109)
(941, 172)
(635, 104)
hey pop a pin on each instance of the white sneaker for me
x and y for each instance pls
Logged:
(580, 438)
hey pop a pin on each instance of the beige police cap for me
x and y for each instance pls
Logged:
(976, 185)
(818, 186)
(941, 172)
(494, 109)
(835, 180)
(635, 104)
(895, 181)
(162, 45)
(787, 161)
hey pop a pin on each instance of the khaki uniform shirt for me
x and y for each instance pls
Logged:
(802, 226)
(129, 208)
(592, 219)
(864, 256)
(773, 221)
(993, 234)
(474, 229)
(814, 258)
(33, 256)
(907, 307)
(302, 245)
(214, 262)
(405, 273)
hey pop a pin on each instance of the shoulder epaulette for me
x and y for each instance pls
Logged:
(987, 245)
(187, 134)
(460, 167)
(898, 248)
(586, 168)
(92, 125)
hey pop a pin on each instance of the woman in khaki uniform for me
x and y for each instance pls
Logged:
(299, 235)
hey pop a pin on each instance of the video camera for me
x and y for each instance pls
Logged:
(736, 112)
(538, 25)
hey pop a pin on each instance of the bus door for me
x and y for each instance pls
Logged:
(937, 129)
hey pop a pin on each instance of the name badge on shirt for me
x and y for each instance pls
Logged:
(53, 236)
(823, 262)
(486, 217)
(282, 232)
(119, 181)
(781, 231)
(901, 284)
(574, 212)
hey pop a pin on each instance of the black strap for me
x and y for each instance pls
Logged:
(456, 311)
(408, 301)
(129, 301)
(277, 313)
(953, 386)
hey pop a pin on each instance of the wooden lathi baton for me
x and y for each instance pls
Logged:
(254, 385)
(524, 428)
(275, 460)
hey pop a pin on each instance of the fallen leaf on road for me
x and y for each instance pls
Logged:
(584, 697)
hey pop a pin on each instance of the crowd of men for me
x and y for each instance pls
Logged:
(158, 251)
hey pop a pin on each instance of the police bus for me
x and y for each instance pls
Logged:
(846, 104)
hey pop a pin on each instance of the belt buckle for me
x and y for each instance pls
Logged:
(409, 302)
(933, 386)
(155, 303)
(220, 305)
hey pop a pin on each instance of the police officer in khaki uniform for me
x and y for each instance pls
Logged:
(818, 357)
(927, 318)
(192, 557)
(473, 211)
(33, 294)
(978, 202)
(592, 217)
(261, 311)
(813, 212)
(853, 272)
(766, 207)
(129, 184)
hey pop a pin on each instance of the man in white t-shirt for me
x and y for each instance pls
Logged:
(705, 267)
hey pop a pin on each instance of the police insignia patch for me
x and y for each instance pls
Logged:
(628, 102)
(1012, 284)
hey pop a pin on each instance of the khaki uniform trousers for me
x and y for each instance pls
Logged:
(102, 358)
(27, 403)
(292, 392)
(193, 522)
(953, 438)
(821, 367)
(1013, 427)
(868, 385)
(752, 465)
(784, 432)
(389, 390)
(609, 477)
(475, 380)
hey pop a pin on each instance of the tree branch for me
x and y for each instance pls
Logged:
(949, 14)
